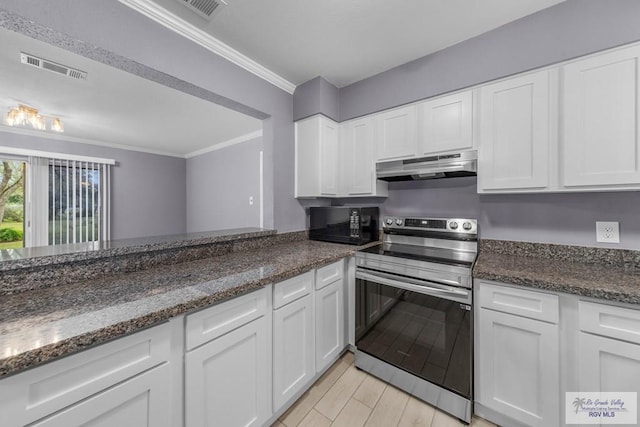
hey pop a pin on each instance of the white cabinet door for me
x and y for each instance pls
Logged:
(316, 155)
(329, 323)
(608, 348)
(359, 168)
(601, 120)
(515, 133)
(227, 381)
(329, 167)
(607, 365)
(396, 133)
(446, 123)
(518, 368)
(293, 349)
(143, 401)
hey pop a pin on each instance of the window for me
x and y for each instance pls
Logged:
(11, 203)
(66, 198)
(76, 200)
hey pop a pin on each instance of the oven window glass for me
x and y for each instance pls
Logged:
(424, 335)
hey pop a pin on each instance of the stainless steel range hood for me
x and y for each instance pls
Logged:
(432, 167)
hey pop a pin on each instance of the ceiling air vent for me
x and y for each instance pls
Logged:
(204, 8)
(34, 61)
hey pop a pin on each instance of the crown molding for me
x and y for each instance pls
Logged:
(155, 12)
(228, 143)
(68, 138)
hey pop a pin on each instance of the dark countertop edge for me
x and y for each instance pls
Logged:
(544, 285)
(33, 358)
(610, 256)
(92, 254)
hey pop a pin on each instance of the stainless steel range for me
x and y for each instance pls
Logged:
(414, 315)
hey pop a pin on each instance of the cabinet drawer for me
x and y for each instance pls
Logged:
(215, 321)
(292, 289)
(141, 401)
(532, 304)
(33, 394)
(329, 274)
(610, 321)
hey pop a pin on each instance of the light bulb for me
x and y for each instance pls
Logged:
(57, 126)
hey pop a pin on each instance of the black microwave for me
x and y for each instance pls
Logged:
(338, 224)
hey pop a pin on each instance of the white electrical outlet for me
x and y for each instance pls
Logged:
(250, 200)
(607, 232)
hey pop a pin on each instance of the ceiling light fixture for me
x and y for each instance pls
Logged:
(28, 116)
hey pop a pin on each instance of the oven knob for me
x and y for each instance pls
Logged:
(466, 226)
(398, 221)
(453, 225)
(389, 221)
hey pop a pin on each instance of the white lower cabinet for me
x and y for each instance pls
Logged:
(237, 363)
(519, 365)
(608, 365)
(293, 349)
(228, 379)
(130, 378)
(329, 323)
(532, 347)
(142, 401)
(608, 349)
(517, 355)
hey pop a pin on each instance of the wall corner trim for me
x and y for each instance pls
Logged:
(160, 15)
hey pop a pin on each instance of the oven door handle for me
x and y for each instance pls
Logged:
(419, 286)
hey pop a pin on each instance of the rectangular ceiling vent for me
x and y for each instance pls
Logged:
(34, 61)
(204, 8)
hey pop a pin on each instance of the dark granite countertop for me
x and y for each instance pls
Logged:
(11, 259)
(607, 274)
(40, 325)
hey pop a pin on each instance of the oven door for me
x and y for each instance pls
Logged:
(418, 326)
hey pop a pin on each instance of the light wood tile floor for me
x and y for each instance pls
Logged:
(347, 397)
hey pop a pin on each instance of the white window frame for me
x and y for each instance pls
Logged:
(36, 218)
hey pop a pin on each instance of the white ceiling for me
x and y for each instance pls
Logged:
(112, 107)
(347, 40)
(341, 40)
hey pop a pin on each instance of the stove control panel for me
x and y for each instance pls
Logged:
(452, 225)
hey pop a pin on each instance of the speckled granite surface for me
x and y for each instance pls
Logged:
(57, 266)
(41, 325)
(12, 259)
(610, 274)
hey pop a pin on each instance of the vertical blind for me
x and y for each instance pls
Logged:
(79, 197)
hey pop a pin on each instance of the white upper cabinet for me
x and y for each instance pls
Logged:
(601, 119)
(336, 160)
(515, 135)
(316, 147)
(358, 172)
(446, 124)
(358, 175)
(329, 159)
(396, 133)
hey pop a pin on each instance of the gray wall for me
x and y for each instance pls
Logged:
(567, 30)
(219, 184)
(316, 96)
(550, 218)
(570, 29)
(119, 29)
(148, 196)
